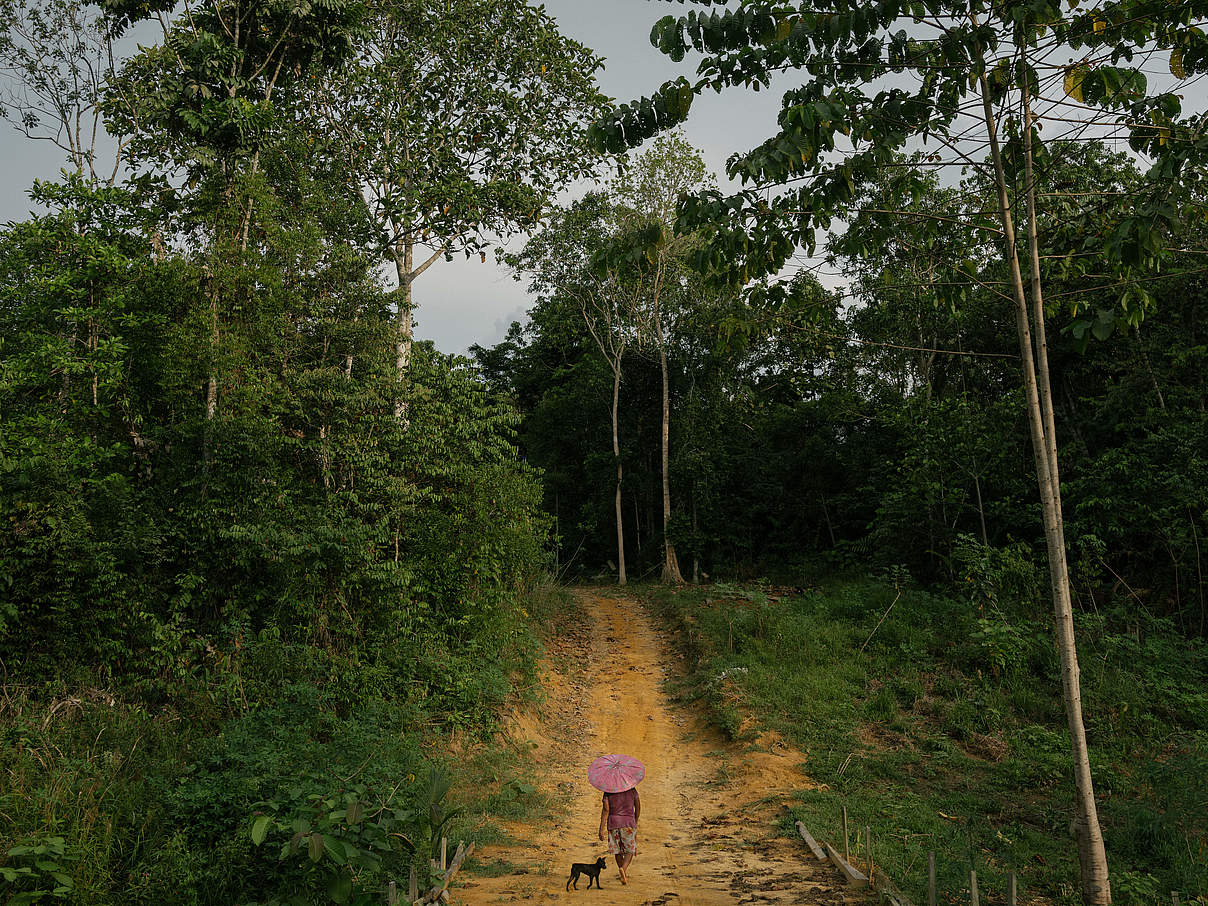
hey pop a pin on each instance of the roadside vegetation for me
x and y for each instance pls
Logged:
(264, 556)
(932, 718)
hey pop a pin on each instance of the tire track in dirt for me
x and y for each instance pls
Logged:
(707, 832)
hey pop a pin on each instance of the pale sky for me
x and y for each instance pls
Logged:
(464, 302)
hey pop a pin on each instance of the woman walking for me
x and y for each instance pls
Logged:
(619, 817)
(617, 777)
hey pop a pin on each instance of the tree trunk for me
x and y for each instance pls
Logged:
(695, 551)
(1153, 378)
(981, 510)
(1034, 358)
(671, 570)
(404, 268)
(212, 383)
(637, 522)
(616, 453)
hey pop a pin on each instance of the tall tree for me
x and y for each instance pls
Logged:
(565, 260)
(650, 188)
(459, 122)
(205, 105)
(970, 70)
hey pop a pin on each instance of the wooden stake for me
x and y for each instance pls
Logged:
(931, 879)
(444, 856)
(973, 888)
(1011, 893)
(868, 850)
(846, 853)
(392, 895)
(1174, 898)
(413, 887)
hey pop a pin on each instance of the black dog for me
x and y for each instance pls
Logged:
(591, 869)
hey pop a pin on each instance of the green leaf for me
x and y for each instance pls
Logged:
(1176, 64)
(314, 847)
(1073, 81)
(260, 828)
(339, 887)
(335, 849)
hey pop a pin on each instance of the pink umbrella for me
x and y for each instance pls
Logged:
(615, 773)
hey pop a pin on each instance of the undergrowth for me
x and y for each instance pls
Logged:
(942, 729)
(298, 776)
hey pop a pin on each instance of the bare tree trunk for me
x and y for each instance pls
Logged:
(981, 510)
(616, 453)
(404, 267)
(324, 457)
(94, 342)
(830, 530)
(637, 521)
(1034, 357)
(1092, 855)
(1153, 379)
(671, 570)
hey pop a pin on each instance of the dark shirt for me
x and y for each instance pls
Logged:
(621, 811)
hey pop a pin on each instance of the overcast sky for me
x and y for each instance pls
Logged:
(464, 302)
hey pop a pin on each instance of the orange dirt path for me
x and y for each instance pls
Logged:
(707, 830)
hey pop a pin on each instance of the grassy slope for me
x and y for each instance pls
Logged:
(947, 732)
(153, 801)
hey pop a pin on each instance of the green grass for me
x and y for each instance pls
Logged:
(947, 732)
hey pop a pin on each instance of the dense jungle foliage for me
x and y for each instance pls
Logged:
(253, 562)
(262, 550)
(885, 426)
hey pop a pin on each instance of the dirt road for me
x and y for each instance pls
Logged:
(707, 831)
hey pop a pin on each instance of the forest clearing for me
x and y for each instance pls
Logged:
(403, 402)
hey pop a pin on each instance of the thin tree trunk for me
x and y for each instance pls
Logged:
(1199, 569)
(671, 570)
(94, 342)
(637, 522)
(695, 551)
(404, 267)
(1091, 853)
(212, 383)
(981, 510)
(830, 530)
(324, 457)
(616, 453)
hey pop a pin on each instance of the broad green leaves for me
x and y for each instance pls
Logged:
(836, 134)
(630, 124)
